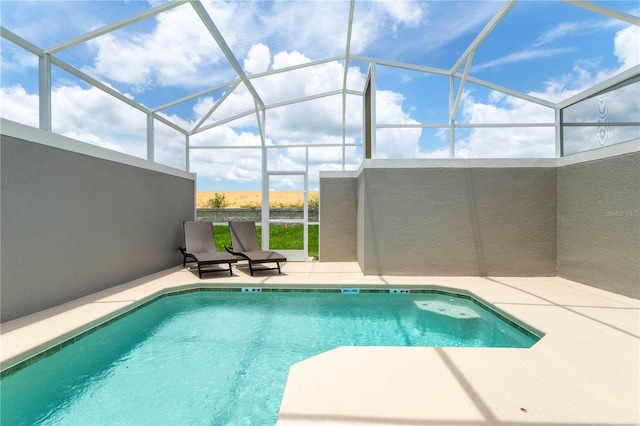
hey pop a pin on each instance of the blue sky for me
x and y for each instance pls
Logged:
(547, 49)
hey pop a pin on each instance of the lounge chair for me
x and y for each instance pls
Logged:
(201, 248)
(244, 240)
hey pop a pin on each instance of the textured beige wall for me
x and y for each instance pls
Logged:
(338, 212)
(580, 221)
(460, 221)
(360, 216)
(74, 224)
(599, 223)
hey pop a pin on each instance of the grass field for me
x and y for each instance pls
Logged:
(280, 237)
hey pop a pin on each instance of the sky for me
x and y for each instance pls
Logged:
(546, 49)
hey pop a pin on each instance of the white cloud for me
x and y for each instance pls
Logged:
(288, 183)
(317, 27)
(395, 142)
(121, 61)
(289, 59)
(188, 59)
(524, 55)
(627, 46)
(538, 142)
(505, 142)
(258, 59)
(91, 116)
(503, 109)
(236, 166)
(393, 29)
(410, 13)
(178, 51)
(308, 122)
(17, 59)
(238, 102)
(20, 106)
(94, 117)
(561, 30)
(587, 73)
(303, 82)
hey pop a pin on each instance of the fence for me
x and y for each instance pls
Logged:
(225, 215)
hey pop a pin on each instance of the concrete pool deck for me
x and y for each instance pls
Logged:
(584, 371)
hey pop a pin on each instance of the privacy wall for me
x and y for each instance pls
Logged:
(599, 223)
(483, 220)
(74, 224)
(339, 213)
(576, 217)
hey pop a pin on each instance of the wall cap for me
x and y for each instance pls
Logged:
(623, 148)
(54, 140)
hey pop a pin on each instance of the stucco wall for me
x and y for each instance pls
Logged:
(338, 210)
(74, 224)
(459, 221)
(577, 217)
(599, 223)
(360, 217)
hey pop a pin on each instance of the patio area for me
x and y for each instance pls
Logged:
(487, 147)
(583, 371)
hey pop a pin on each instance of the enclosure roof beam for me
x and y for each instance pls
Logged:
(276, 105)
(305, 99)
(99, 85)
(214, 107)
(115, 26)
(500, 14)
(288, 145)
(348, 48)
(456, 104)
(226, 50)
(346, 69)
(5, 33)
(403, 65)
(236, 80)
(224, 121)
(295, 67)
(510, 92)
(169, 123)
(594, 90)
(603, 10)
(196, 95)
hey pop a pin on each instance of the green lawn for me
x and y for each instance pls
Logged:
(280, 237)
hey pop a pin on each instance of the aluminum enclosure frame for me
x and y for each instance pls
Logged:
(460, 71)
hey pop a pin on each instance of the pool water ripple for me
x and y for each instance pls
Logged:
(223, 358)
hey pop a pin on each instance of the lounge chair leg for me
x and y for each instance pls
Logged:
(250, 269)
(278, 263)
(199, 271)
(230, 271)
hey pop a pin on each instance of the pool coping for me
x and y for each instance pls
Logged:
(585, 329)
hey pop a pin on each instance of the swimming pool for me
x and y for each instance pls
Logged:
(223, 357)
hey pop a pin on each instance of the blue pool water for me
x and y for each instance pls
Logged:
(222, 358)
